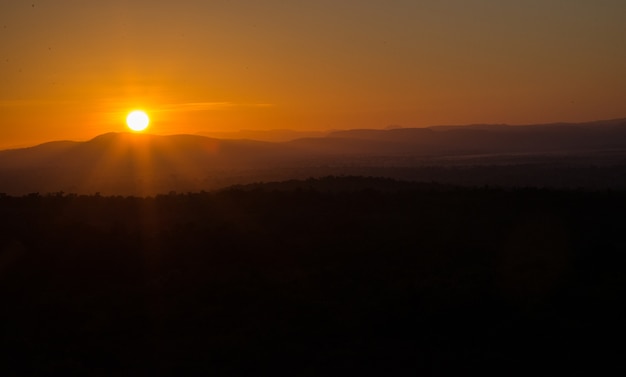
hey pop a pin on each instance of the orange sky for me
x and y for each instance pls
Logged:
(72, 69)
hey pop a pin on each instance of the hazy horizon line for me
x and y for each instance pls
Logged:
(309, 131)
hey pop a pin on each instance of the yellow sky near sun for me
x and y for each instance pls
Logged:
(72, 69)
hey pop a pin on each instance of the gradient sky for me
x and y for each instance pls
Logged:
(72, 69)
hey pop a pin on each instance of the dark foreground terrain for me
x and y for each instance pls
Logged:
(337, 276)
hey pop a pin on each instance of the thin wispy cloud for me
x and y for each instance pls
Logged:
(186, 106)
(206, 106)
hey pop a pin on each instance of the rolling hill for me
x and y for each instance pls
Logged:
(141, 164)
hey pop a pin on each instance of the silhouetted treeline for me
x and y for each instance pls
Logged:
(310, 278)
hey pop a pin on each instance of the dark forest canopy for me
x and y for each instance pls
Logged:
(311, 278)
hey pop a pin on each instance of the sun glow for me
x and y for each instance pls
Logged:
(137, 120)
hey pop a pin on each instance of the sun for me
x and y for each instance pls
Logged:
(137, 120)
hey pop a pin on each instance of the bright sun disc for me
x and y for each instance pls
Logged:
(137, 120)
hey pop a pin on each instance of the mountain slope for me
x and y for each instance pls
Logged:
(141, 164)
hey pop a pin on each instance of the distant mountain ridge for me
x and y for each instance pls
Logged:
(147, 164)
(490, 139)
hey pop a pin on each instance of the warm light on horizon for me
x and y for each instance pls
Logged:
(72, 70)
(137, 120)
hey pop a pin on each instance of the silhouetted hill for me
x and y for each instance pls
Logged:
(142, 164)
(265, 135)
(485, 139)
(34, 156)
(129, 163)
